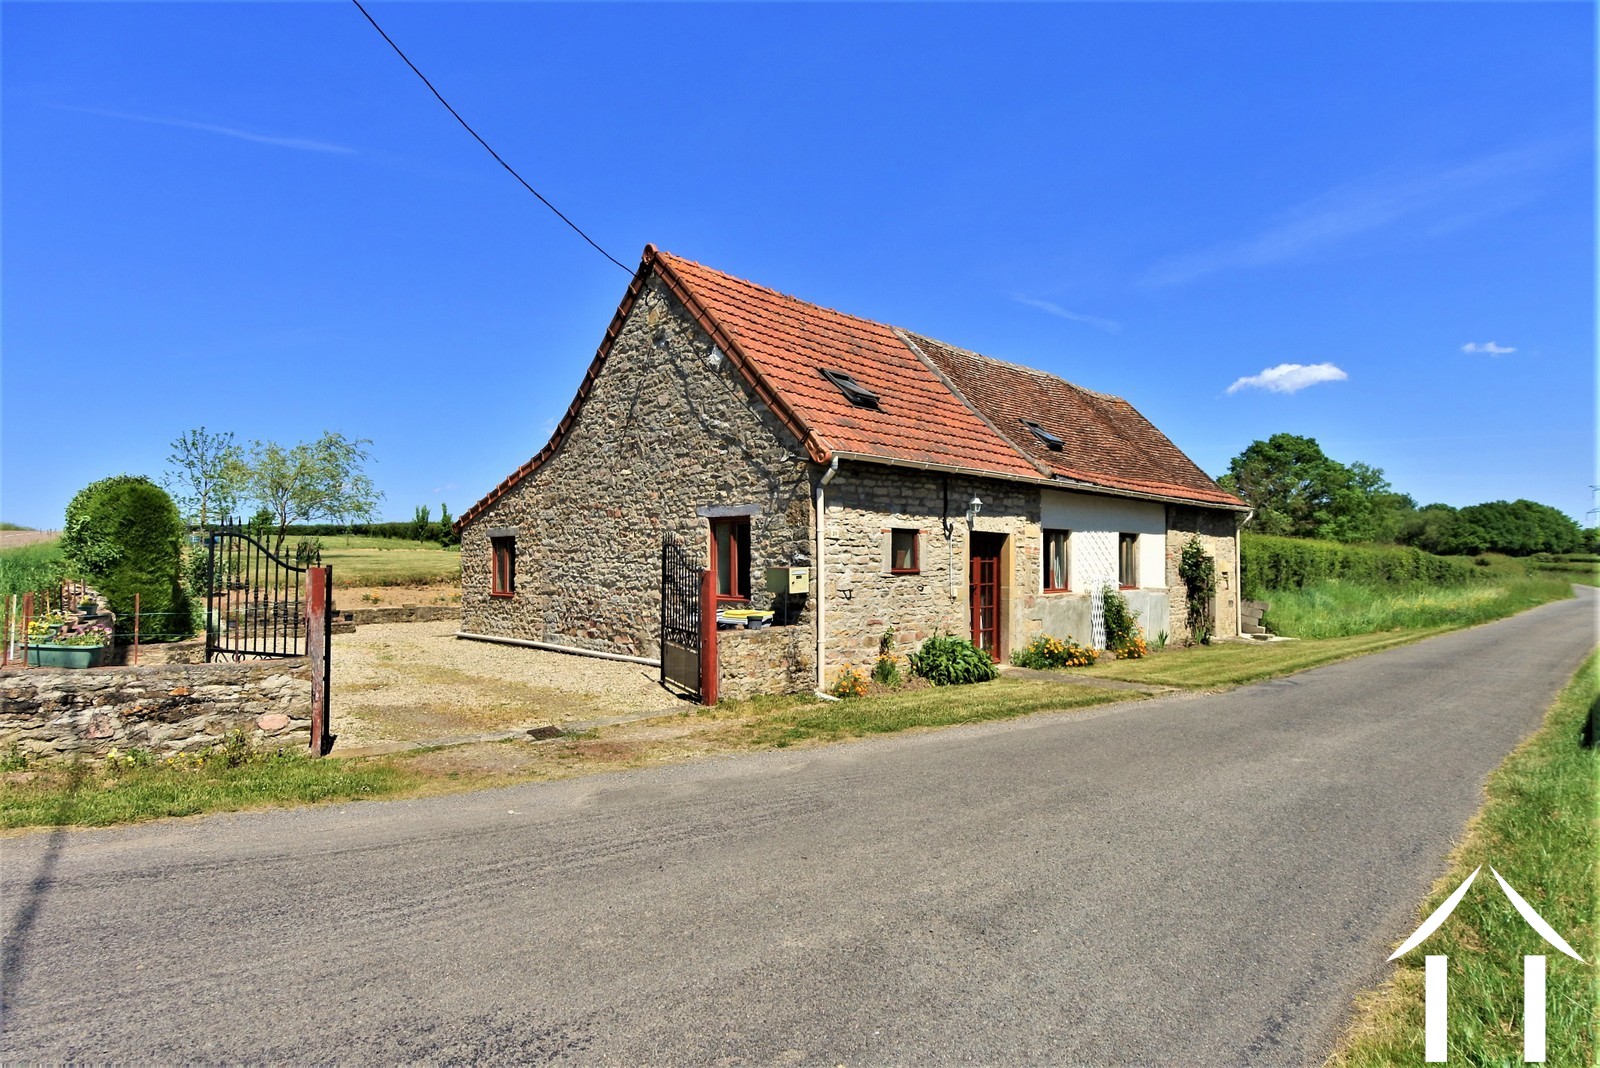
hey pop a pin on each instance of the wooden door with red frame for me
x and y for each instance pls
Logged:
(984, 592)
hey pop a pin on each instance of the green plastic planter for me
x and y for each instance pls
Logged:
(48, 654)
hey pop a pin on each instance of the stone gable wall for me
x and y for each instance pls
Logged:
(165, 708)
(1218, 534)
(669, 427)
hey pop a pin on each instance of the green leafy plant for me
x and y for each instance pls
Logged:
(1199, 574)
(1047, 651)
(887, 671)
(946, 660)
(1123, 636)
(125, 535)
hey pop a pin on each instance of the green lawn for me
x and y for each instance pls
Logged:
(1538, 829)
(1225, 664)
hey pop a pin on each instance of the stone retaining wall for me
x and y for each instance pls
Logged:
(164, 708)
(771, 660)
(405, 613)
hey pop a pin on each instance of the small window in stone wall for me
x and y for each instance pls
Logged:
(904, 555)
(503, 567)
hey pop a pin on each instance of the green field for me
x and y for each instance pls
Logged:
(362, 561)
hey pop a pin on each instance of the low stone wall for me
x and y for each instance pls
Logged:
(771, 660)
(165, 708)
(405, 613)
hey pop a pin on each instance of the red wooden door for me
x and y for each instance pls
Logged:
(984, 589)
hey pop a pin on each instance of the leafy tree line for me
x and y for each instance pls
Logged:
(1299, 491)
(210, 475)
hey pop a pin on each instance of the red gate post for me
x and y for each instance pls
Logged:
(709, 671)
(319, 632)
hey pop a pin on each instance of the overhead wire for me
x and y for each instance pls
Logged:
(468, 127)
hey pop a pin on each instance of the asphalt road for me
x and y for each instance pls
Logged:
(1185, 880)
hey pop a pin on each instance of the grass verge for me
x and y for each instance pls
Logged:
(98, 796)
(1226, 664)
(1538, 829)
(1337, 608)
(767, 722)
(389, 562)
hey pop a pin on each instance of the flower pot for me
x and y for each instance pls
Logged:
(48, 654)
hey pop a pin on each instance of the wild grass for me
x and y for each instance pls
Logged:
(1537, 828)
(1338, 608)
(99, 796)
(32, 568)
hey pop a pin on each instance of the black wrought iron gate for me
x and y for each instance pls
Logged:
(256, 604)
(261, 607)
(680, 617)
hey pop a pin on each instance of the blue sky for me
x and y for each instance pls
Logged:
(1372, 224)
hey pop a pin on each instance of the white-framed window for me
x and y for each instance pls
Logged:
(1057, 549)
(1128, 561)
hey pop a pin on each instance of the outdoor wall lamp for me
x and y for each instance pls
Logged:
(974, 506)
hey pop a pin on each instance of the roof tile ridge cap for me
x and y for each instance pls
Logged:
(916, 350)
(802, 428)
(791, 298)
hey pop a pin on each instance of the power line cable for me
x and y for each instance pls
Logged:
(466, 126)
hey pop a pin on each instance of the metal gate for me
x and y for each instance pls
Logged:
(260, 607)
(680, 617)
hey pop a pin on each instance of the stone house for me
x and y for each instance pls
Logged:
(922, 487)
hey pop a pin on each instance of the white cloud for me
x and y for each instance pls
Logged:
(1487, 347)
(1290, 377)
(1440, 202)
(1110, 326)
(301, 143)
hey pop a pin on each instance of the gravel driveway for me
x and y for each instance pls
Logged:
(399, 682)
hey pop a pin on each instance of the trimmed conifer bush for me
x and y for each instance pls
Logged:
(124, 535)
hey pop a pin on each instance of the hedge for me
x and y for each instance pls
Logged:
(1276, 563)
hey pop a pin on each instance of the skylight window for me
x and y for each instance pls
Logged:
(1051, 441)
(854, 391)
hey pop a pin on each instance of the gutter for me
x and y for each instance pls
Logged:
(822, 548)
(1054, 482)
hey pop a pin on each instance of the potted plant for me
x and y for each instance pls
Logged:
(72, 646)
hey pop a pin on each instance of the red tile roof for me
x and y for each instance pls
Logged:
(1105, 441)
(939, 406)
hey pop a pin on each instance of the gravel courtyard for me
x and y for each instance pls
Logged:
(415, 682)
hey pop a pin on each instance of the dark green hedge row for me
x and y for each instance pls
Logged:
(1273, 563)
(375, 530)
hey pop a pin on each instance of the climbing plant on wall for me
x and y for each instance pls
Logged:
(1199, 574)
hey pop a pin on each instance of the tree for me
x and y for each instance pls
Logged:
(205, 472)
(1298, 491)
(1516, 528)
(125, 535)
(323, 479)
(421, 524)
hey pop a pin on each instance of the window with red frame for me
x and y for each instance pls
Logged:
(503, 557)
(903, 552)
(730, 558)
(1055, 560)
